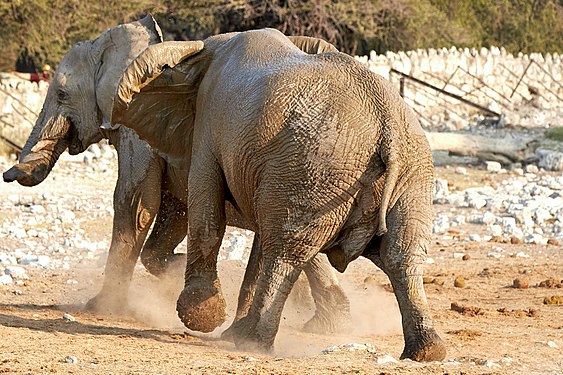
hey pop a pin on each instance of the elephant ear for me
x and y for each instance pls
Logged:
(113, 51)
(157, 100)
(311, 45)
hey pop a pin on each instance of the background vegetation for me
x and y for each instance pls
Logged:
(41, 31)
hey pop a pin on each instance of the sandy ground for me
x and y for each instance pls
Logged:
(491, 328)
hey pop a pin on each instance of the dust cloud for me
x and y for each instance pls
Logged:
(374, 311)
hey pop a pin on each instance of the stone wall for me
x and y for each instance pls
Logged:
(491, 78)
(20, 104)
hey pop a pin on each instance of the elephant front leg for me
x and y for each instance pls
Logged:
(201, 305)
(169, 230)
(403, 250)
(134, 211)
(332, 306)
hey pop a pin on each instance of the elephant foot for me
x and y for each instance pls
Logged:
(246, 338)
(201, 309)
(427, 349)
(229, 333)
(324, 322)
(107, 303)
(333, 311)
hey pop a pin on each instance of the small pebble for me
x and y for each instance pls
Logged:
(459, 282)
(466, 257)
(381, 359)
(552, 344)
(520, 283)
(249, 359)
(515, 240)
(69, 317)
(71, 359)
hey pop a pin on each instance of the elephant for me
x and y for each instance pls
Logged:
(315, 151)
(76, 114)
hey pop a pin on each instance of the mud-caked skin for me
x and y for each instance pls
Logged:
(202, 308)
(313, 151)
(149, 189)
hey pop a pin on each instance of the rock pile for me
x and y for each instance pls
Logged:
(527, 206)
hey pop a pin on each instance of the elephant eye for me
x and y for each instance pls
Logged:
(61, 95)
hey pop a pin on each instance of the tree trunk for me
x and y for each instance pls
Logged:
(508, 149)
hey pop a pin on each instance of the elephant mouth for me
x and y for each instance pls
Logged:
(75, 145)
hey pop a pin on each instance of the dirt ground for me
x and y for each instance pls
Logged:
(489, 326)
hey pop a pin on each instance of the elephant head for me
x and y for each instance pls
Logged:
(80, 98)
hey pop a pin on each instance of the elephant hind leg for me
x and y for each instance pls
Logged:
(332, 313)
(402, 251)
(169, 230)
(287, 248)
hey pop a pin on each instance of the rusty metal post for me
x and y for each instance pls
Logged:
(402, 87)
(521, 78)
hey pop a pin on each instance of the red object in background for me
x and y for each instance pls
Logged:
(37, 77)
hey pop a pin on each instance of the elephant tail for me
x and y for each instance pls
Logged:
(392, 175)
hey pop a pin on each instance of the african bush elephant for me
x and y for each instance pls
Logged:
(78, 102)
(314, 151)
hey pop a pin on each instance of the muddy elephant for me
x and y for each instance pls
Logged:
(316, 152)
(76, 113)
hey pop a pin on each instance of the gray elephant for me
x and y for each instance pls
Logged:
(78, 102)
(316, 152)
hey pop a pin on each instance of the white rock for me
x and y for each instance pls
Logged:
(95, 149)
(496, 230)
(249, 359)
(17, 231)
(531, 168)
(71, 359)
(385, 358)
(38, 209)
(6, 279)
(493, 166)
(552, 344)
(16, 272)
(476, 202)
(66, 217)
(40, 260)
(491, 364)
(535, 239)
(441, 224)
(7, 259)
(441, 191)
(518, 171)
(458, 219)
(494, 255)
(474, 237)
(461, 170)
(488, 218)
(69, 317)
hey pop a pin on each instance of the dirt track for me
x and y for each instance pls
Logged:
(496, 328)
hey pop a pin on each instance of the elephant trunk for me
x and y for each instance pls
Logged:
(48, 140)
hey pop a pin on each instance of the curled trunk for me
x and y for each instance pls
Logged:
(48, 140)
